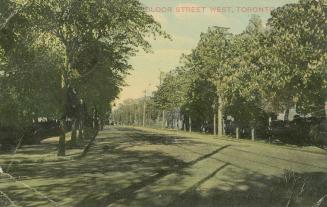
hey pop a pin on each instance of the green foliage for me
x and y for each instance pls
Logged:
(30, 79)
(297, 44)
(201, 102)
(55, 53)
(261, 71)
(173, 91)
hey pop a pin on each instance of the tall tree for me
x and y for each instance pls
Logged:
(116, 28)
(210, 60)
(89, 41)
(295, 64)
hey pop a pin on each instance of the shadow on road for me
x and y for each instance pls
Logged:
(113, 174)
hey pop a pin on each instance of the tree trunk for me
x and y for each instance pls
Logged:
(101, 123)
(179, 121)
(62, 139)
(149, 118)
(73, 140)
(96, 120)
(93, 119)
(190, 124)
(220, 118)
(214, 124)
(135, 117)
(237, 133)
(252, 134)
(223, 127)
(269, 129)
(144, 107)
(163, 119)
(80, 131)
(287, 112)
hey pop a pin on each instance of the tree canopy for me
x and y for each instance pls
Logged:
(265, 70)
(56, 53)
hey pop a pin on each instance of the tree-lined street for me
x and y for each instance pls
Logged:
(146, 167)
(239, 120)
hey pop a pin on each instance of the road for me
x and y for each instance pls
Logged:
(145, 167)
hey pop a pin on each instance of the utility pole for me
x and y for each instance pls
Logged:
(163, 111)
(144, 107)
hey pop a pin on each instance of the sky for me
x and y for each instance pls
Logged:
(184, 20)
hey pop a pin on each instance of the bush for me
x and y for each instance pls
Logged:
(301, 131)
(8, 138)
(318, 133)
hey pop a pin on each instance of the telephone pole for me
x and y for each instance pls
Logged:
(144, 107)
(163, 111)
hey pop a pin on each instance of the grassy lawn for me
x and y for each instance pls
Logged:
(45, 152)
(149, 167)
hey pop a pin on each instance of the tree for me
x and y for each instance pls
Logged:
(200, 104)
(296, 60)
(210, 60)
(29, 76)
(114, 28)
(242, 90)
(172, 93)
(86, 44)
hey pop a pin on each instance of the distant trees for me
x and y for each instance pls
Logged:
(133, 112)
(67, 59)
(265, 70)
